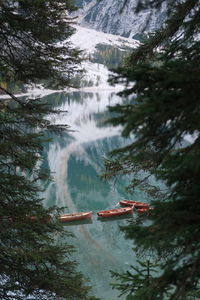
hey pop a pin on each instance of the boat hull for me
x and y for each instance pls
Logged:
(115, 218)
(143, 210)
(115, 212)
(75, 217)
(136, 204)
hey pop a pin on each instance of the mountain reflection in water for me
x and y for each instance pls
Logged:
(75, 159)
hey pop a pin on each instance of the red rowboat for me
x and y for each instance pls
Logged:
(75, 216)
(115, 212)
(136, 204)
(143, 210)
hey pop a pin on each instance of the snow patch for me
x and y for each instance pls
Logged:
(87, 39)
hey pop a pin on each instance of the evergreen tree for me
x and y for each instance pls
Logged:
(136, 281)
(29, 36)
(162, 112)
(32, 264)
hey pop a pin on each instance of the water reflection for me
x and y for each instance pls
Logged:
(75, 160)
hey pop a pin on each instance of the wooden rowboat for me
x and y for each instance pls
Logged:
(115, 212)
(136, 204)
(75, 216)
(143, 210)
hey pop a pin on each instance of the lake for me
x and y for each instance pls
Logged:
(75, 159)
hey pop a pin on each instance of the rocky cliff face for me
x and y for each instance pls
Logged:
(112, 16)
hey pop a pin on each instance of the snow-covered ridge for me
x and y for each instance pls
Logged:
(87, 39)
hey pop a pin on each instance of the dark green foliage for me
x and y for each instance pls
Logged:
(136, 281)
(33, 265)
(164, 109)
(29, 31)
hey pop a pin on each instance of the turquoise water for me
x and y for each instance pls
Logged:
(76, 160)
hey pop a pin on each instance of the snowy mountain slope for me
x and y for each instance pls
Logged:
(87, 39)
(96, 74)
(111, 16)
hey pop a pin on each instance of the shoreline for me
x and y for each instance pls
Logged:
(40, 93)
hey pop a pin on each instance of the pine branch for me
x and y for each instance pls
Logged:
(146, 50)
(11, 95)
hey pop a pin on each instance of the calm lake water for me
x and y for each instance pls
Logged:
(75, 159)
